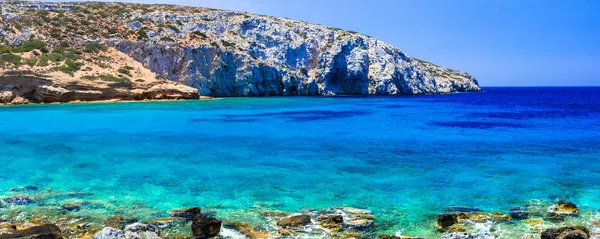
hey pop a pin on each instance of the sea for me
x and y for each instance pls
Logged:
(405, 158)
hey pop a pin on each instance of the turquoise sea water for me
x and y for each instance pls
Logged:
(405, 158)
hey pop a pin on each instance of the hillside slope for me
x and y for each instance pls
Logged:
(218, 53)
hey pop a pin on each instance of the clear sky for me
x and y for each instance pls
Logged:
(502, 43)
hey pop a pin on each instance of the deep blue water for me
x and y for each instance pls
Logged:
(405, 158)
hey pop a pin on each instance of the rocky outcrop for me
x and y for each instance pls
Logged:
(186, 214)
(141, 231)
(47, 231)
(576, 232)
(250, 55)
(206, 227)
(109, 233)
(23, 88)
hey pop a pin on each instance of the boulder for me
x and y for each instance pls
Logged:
(332, 222)
(206, 227)
(6, 97)
(188, 213)
(445, 221)
(574, 232)
(141, 231)
(109, 233)
(47, 231)
(356, 218)
(563, 209)
(297, 221)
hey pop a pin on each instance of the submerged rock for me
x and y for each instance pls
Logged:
(206, 227)
(19, 200)
(464, 235)
(21, 188)
(397, 237)
(575, 232)
(141, 231)
(297, 221)
(48, 231)
(119, 221)
(188, 213)
(71, 207)
(109, 233)
(355, 218)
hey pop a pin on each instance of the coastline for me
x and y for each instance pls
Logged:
(110, 101)
(455, 222)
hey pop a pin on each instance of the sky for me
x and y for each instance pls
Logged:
(501, 43)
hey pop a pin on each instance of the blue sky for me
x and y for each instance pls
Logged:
(502, 43)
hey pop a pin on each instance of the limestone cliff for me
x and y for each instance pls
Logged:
(225, 53)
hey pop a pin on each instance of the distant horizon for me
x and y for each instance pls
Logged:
(500, 43)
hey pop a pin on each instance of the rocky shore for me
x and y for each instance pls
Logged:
(560, 220)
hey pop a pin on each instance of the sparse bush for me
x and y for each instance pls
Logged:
(124, 71)
(114, 79)
(31, 61)
(11, 58)
(227, 44)
(174, 28)
(69, 67)
(94, 47)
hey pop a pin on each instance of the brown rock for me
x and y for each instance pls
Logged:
(444, 221)
(563, 209)
(332, 222)
(188, 213)
(119, 222)
(294, 221)
(575, 232)
(206, 227)
(48, 231)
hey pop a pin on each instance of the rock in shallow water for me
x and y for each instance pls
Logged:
(575, 232)
(48, 231)
(19, 200)
(296, 221)
(188, 213)
(119, 221)
(444, 221)
(71, 207)
(109, 233)
(463, 235)
(562, 209)
(141, 231)
(206, 227)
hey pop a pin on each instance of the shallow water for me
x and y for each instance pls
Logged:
(405, 158)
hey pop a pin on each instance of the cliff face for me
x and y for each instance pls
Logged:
(219, 53)
(249, 55)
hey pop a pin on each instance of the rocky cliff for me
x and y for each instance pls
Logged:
(222, 53)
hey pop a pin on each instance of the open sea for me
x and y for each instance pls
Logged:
(405, 158)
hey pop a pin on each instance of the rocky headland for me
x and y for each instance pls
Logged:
(99, 51)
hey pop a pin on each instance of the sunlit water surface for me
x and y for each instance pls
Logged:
(405, 158)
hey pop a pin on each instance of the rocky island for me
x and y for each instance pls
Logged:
(116, 51)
